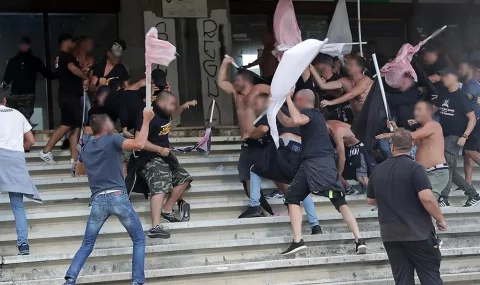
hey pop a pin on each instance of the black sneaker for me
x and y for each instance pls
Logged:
(443, 202)
(158, 232)
(352, 191)
(295, 247)
(23, 249)
(170, 217)
(251, 212)
(472, 202)
(69, 281)
(360, 247)
(184, 209)
(316, 230)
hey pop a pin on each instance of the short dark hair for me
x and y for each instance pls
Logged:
(26, 40)
(97, 122)
(246, 74)
(360, 61)
(64, 37)
(470, 63)
(402, 140)
(428, 103)
(3, 95)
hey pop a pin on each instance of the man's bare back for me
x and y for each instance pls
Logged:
(338, 128)
(431, 149)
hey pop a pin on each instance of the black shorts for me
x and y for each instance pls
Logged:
(473, 142)
(71, 113)
(250, 155)
(318, 176)
(282, 164)
(355, 162)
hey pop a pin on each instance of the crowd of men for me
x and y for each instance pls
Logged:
(319, 153)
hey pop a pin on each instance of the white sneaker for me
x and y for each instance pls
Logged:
(74, 167)
(47, 157)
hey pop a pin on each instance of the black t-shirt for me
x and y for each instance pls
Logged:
(281, 129)
(159, 129)
(69, 85)
(315, 136)
(452, 109)
(118, 71)
(131, 107)
(395, 185)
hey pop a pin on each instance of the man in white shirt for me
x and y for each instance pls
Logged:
(16, 136)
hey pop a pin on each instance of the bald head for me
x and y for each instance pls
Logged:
(305, 98)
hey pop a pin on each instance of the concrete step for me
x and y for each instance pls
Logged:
(340, 268)
(208, 253)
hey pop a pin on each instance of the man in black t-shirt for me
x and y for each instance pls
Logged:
(434, 61)
(159, 170)
(70, 90)
(402, 191)
(458, 121)
(318, 173)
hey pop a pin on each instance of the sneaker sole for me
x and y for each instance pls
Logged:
(186, 213)
(158, 235)
(296, 250)
(362, 249)
(476, 204)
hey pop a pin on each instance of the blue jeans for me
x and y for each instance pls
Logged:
(255, 187)
(104, 206)
(21, 223)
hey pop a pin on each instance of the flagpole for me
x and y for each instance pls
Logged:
(211, 113)
(148, 85)
(359, 28)
(380, 82)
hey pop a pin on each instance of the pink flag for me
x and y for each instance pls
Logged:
(285, 27)
(158, 51)
(395, 69)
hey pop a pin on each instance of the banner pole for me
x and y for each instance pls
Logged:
(148, 85)
(359, 28)
(211, 113)
(380, 82)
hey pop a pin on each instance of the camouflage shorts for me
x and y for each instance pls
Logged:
(24, 103)
(161, 178)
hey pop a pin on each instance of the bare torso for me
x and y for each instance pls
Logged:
(431, 149)
(245, 112)
(357, 102)
(344, 130)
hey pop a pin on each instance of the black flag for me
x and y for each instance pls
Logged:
(372, 119)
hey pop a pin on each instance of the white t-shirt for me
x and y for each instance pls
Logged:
(13, 125)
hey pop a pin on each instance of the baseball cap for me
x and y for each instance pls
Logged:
(448, 70)
(64, 37)
(159, 77)
(26, 40)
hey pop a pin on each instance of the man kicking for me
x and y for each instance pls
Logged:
(102, 158)
(279, 165)
(245, 92)
(431, 148)
(351, 155)
(318, 173)
(356, 86)
(156, 171)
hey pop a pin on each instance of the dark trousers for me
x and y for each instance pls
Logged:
(422, 256)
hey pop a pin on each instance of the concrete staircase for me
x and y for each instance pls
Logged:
(214, 247)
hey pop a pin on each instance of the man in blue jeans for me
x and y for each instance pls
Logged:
(16, 136)
(102, 158)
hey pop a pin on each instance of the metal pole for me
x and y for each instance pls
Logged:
(380, 82)
(359, 27)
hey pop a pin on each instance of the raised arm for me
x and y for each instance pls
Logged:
(359, 89)
(184, 107)
(298, 118)
(222, 78)
(285, 120)
(332, 85)
(141, 136)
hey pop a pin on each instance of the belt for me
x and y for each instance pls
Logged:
(108, 192)
(437, 167)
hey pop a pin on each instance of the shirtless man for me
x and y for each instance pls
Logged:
(431, 147)
(245, 92)
(351, 153)
(356, 86)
